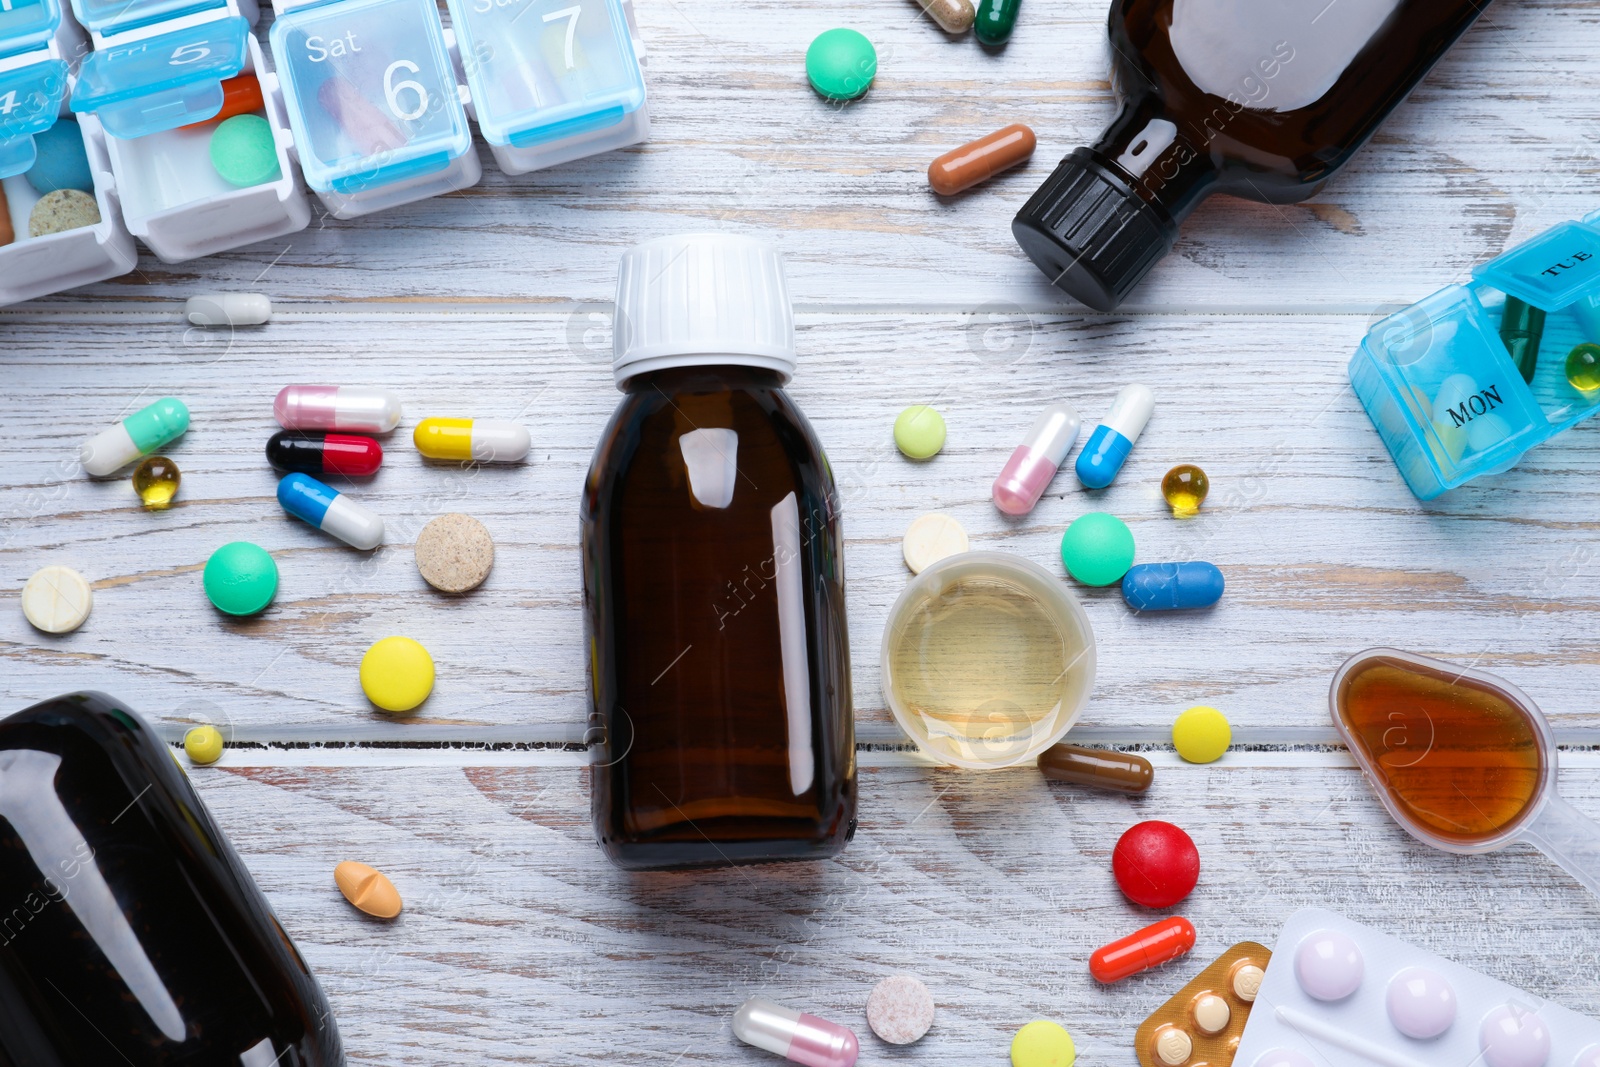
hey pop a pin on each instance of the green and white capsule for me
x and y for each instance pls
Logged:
(137, 435)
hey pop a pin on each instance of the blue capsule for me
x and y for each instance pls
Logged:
(1172, 586)
(1112, 440)
(330, 511)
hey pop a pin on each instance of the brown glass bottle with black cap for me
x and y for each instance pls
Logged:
(1261, 99)
(719, 667)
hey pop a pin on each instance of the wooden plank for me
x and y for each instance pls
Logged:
(1497, 144)
(1325, 550)
(520, 943)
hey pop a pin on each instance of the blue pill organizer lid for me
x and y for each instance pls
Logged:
(371, 92)
(30, 102)
(161, 82)
(1440, 385)
(27, 24)
(544, 70)
(109, 17)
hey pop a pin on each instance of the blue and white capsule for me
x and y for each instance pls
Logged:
(1113, 439)
(330, 511)
(1172, 586)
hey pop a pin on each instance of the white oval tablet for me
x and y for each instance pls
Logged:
(57, 600)
(228, 309)
(931, 538)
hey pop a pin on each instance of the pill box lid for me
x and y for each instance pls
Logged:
(399, 85)
(35, 93)
(108, 17)
(161, 82)
(26, 25)
(1551, 270)
(545, 70)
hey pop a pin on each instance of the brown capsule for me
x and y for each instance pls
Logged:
(1123, 772)
(953, 16)
(7, 234)
(962, 168)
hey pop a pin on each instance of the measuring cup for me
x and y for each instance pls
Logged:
(1464, 761)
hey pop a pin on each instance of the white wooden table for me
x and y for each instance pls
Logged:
(519, 942)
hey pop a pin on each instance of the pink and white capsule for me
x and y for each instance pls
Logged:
(1028, 472)
(348, 408)
(797, 1037)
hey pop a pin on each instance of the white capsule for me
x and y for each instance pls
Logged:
(228, 309)
(796, 1036)
(353, 524)
(351, 408)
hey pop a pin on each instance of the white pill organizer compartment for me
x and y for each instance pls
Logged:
(551, 80)
(1440, 384)
(1340, 994)
(373, 101)
(35, 43)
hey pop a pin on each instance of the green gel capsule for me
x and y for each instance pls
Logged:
(996, 19)
(1522, 328)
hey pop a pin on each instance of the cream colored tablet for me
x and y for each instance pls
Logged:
(930, 539)
(57, 600)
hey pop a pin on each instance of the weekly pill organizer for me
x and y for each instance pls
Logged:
(368, 106)
(1339, 994)
(1440, 383)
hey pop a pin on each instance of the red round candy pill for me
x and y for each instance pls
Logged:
(1155, 864)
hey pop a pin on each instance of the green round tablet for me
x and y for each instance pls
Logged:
(240, 578)
(841, 64)
(243, 151)
(1097, 548)
(919, 432)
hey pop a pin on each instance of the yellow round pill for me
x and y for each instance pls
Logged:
(1201, 734)
(1042, 1044)
(203, 744)
(397, 674)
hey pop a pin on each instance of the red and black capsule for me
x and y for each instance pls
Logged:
(324, 453)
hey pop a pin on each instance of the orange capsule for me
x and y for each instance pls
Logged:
(1142, 950)
(241, 95)
(962, 168)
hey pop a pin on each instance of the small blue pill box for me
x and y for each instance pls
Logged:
(1439, 384)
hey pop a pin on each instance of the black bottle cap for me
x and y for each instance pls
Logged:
(1091, 232)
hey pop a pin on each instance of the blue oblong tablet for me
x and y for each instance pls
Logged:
(1172, 586)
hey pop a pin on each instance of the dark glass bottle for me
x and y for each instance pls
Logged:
(131, 932)
(1262, 99)
(713, 591)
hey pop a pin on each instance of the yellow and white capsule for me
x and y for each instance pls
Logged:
(483, 440)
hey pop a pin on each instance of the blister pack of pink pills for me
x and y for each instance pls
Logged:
(1339, 994)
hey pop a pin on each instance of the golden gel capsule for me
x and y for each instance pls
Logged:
(463, 440)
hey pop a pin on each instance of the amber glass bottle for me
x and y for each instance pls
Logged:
(1262, 99)
(714, 578)
(134, 934)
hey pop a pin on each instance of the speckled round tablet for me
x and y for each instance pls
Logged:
(454, 553)
(243, 151)
(900, 1009)
(62, 210)
(57, 600)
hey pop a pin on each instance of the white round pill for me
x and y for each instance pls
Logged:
(57, 600)
(900, 1009)
(1211, 1014)
(931, 538)
(1173, 1046)
(228, 309)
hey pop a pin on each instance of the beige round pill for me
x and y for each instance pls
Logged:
(57, 600)
(455, 553)
(1211, 1014)
(900, 1009)
(367, 889)
(931, 538)
(1173, 1046)
(1247, 982)
(62, 210)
